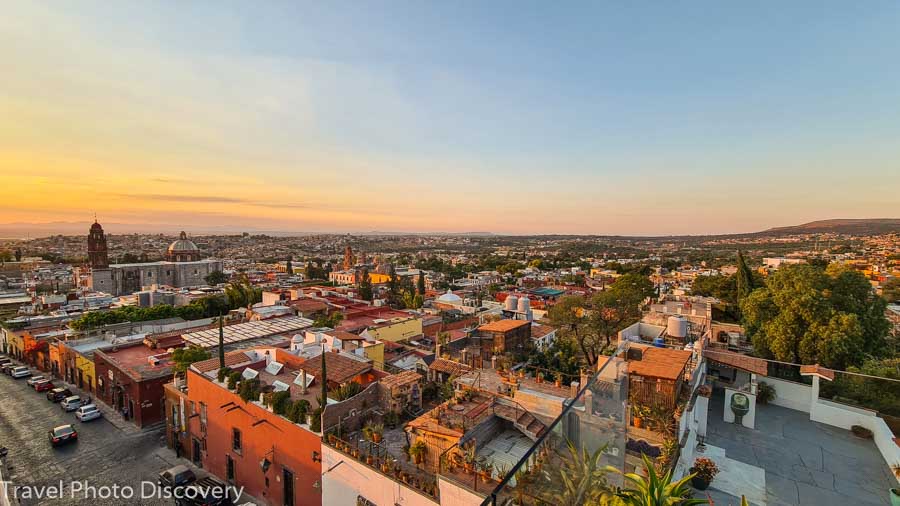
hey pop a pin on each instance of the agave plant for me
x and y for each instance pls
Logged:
(655, 489)
(582, 476)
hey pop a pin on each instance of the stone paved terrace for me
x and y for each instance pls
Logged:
(803, 462)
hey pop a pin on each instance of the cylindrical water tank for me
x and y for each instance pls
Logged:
(524, 304)
(676, 326)
(510, 303)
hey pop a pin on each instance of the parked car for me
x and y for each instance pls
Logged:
(4, 362)
(206, 492)
(70, 403)
(8, 367)
(58, 394)
(87, 413)
(34, 379)
(62, 435)
(176, 477)
(43, 386)
(21, 372)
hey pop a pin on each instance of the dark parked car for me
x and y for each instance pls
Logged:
(176, 477)
(205, 492)
(62, 435)
(58, 394)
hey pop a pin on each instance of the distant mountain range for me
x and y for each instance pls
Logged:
(872, 226)
(869, 226)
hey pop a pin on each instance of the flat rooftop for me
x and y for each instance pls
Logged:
(246, 331)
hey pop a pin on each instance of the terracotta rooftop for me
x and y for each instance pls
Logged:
(231, 359)
(449, 367)
(816, 369)
(538, 331)
(743, 362)
(503, 325)
(664, 363)
(340, 368)
(345, 336)
(308, 305)
(401, 379)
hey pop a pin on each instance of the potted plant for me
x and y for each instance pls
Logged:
(418, 451)
(485, 471)
(704, 471)
(385, 467)
(765, 393)
(469, 459)
(558, 380)
(539, 377)
(377, 431)
(704, 390)
(369, 459)
(639, 413)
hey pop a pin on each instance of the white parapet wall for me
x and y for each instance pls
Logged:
(346, 480)
(790, 394)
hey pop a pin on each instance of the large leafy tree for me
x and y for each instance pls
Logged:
(420, 284)
(184, 357)
(593, 323)
(809, 315)
(215, 277)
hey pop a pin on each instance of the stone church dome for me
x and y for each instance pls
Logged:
(183, 250)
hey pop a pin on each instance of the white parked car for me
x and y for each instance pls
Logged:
(71, 403)
(87, 413)
(34, 379)
(21, 372)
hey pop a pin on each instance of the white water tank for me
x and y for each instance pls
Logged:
(676, 326)
(510, 303)
(524, 304)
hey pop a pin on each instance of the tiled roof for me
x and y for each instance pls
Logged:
(308, 305)
(231, 359)
(449, 366)
(340, 369)
(732, 359)
(538, 331)
(816, 369)
(401, 379)
(664, 363)
(503, 325)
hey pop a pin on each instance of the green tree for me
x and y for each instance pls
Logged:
(743, 278)
(718, 286)
(365, 285)
(393, 286)
(184, 357)
(420, 283)
(412, 300)
(807, 315)
(5, 256)
(290, 266)
(329, 320)
(891, 290)
(215, 278)
(18, 254)
(221, 343)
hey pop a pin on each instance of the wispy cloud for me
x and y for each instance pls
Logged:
(213, 199)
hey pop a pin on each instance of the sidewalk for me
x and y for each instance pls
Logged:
(111, 415)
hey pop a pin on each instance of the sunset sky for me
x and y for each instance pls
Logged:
(509, 117)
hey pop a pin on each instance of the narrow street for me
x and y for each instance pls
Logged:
(103, 456)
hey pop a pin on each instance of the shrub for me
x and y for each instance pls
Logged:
(249, 390)
(233, 378)
(280, 402)
(765, 393)
(222, 374)
(860, 431)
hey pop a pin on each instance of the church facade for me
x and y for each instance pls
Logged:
(182, 268)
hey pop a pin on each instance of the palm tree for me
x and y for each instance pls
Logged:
(655, 489)
(582, 476)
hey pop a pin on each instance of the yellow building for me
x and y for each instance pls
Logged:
(397, 329)
(375, 353)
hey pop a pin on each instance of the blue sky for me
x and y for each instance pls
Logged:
(631, 118)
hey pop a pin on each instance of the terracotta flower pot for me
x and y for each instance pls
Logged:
(638, 422)
(376, 438)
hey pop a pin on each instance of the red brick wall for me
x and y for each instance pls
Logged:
(261, 432)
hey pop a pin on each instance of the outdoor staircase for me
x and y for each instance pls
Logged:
(520, 417)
